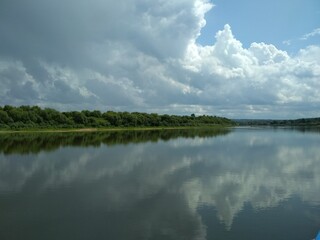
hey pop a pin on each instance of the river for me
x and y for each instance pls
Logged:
(237, 183)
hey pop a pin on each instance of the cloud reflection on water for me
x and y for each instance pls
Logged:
(159, 180)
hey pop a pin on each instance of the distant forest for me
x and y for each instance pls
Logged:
(33, 117)
(303, 122)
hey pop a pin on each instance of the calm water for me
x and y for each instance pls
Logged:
(228, 184)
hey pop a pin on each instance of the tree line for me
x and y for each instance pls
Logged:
(22, 117)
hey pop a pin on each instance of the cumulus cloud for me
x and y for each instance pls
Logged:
(261, 76)
(144, 56)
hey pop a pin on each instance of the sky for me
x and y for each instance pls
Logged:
(237, 59)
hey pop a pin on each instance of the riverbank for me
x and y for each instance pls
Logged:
(62, 130)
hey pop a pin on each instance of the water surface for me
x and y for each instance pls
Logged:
(175, 184)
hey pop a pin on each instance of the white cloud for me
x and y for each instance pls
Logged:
(261, 75)
(315, 32)
(267, 54)
(287, 42)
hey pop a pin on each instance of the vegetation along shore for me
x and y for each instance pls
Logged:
(36, 118)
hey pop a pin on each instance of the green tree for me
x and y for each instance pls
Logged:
(113, 118)
(4, 117)
(79, 118)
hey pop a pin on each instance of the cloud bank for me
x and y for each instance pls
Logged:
(144, 56)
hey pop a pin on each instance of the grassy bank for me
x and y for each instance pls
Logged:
(32, 130)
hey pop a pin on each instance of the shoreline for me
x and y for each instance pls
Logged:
(61, 130)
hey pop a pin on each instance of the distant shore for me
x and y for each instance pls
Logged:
(303, 122)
